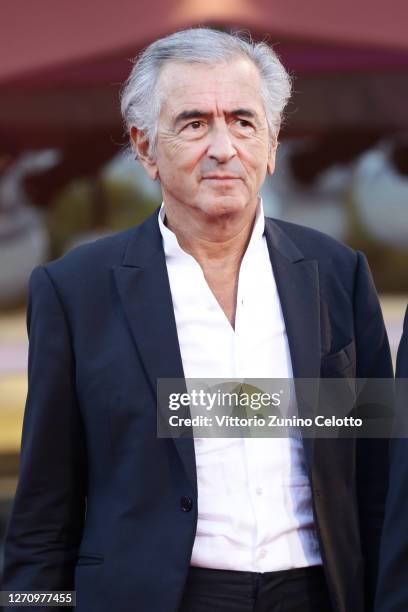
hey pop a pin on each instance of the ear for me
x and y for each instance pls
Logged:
(140, 145)
(273, 145)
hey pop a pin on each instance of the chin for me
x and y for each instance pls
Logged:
(223, 206)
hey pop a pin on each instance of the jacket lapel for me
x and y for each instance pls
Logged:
(297, 282)
(143, 285)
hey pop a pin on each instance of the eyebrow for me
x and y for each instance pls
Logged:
(198, 114)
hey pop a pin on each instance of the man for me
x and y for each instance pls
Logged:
(402, 356)
(392, 593)
(207, 287)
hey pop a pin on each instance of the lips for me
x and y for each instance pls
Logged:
(220, 178)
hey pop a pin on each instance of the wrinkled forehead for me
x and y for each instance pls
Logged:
(221, 86)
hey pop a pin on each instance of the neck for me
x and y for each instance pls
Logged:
(214, 241)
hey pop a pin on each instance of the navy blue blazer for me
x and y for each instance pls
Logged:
(392, 593)
(105, 507)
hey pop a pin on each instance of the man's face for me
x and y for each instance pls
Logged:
(213, 146)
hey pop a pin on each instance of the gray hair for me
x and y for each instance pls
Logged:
(140, 102)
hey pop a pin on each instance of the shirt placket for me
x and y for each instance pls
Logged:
(254, 487)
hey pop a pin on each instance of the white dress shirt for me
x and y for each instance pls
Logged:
(254, 499)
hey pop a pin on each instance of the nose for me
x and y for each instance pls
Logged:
(221, 147)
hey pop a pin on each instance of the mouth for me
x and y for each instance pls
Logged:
(216, 177)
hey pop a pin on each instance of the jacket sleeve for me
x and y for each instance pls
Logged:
(45, 526)
(373, 362)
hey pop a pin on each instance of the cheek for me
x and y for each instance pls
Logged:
(254, 160)
(179, 173)
(184, 159)
(254, 146)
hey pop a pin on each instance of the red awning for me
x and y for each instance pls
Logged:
(62, 62)
(46, 34)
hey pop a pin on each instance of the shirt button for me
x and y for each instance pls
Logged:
(186, 503)
(259, 490)
(262, 553)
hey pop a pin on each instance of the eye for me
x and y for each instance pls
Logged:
(194, 125)
(244, 123)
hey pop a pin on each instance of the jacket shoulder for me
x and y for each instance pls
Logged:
(312, 242)
(106, 250)
(82, 276)
(101, 254)
(331, 254)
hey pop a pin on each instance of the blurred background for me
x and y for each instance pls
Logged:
(342, 164)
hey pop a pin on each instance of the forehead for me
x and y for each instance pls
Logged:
(220, 86)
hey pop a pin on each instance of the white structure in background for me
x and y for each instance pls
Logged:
(123, 168)
(319, 205)
(23, 234)
(380, 193)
